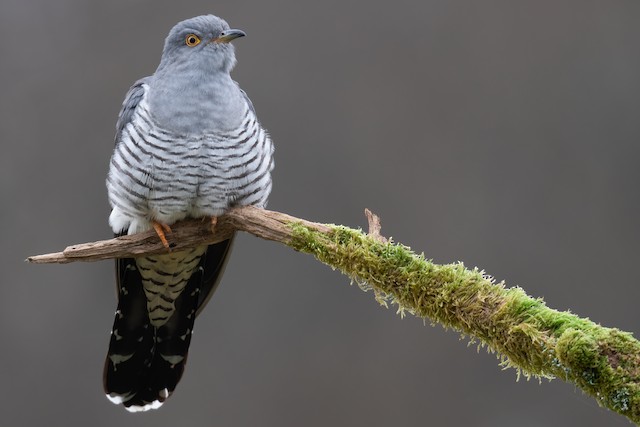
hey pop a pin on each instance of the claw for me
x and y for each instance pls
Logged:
(161, 229)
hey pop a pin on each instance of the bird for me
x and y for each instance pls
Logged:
(188, 144)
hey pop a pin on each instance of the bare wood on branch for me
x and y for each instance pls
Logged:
(262, 223)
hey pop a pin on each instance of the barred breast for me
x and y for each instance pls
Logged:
(156, 175)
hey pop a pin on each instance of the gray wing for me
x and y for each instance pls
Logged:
(131, 101)
(246, 98)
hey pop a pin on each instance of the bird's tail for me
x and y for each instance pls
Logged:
(145, 363)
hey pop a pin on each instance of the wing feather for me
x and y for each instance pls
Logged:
(129, 105)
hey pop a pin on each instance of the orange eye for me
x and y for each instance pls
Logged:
(192, 40)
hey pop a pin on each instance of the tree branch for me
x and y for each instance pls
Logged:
(262, 223)
(527, 335)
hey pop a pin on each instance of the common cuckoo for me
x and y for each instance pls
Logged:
(188, 144)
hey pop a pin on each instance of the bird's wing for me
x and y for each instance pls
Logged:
(214, 261)
(246, 98)
(129, 105)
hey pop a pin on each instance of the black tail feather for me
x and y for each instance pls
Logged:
(144, 363)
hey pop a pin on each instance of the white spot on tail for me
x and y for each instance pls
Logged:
(119, 398)
(184, 337)
(119, 358)
(153, 405)
(172, 359)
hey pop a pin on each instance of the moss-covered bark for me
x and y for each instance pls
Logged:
(528, 335)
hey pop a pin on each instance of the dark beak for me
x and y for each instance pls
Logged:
(227, 36)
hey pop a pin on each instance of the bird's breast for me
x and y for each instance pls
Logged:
(168, 176)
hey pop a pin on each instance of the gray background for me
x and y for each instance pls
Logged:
(500, 133)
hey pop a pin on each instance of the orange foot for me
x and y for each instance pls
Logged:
(160, 230)
(214, 222)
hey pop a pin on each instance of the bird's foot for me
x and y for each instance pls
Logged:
(214, 222)
(161, 229)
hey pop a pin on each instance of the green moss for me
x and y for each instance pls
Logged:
(526, 334)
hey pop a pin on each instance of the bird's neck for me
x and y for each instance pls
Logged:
(196, 103)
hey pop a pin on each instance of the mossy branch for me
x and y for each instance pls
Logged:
(527, 335)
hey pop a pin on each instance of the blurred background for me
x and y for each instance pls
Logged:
(498, 133)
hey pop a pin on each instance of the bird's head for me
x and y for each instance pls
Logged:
(202, 42)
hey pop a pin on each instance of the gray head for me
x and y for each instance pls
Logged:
(201, 42)
(192, 90)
